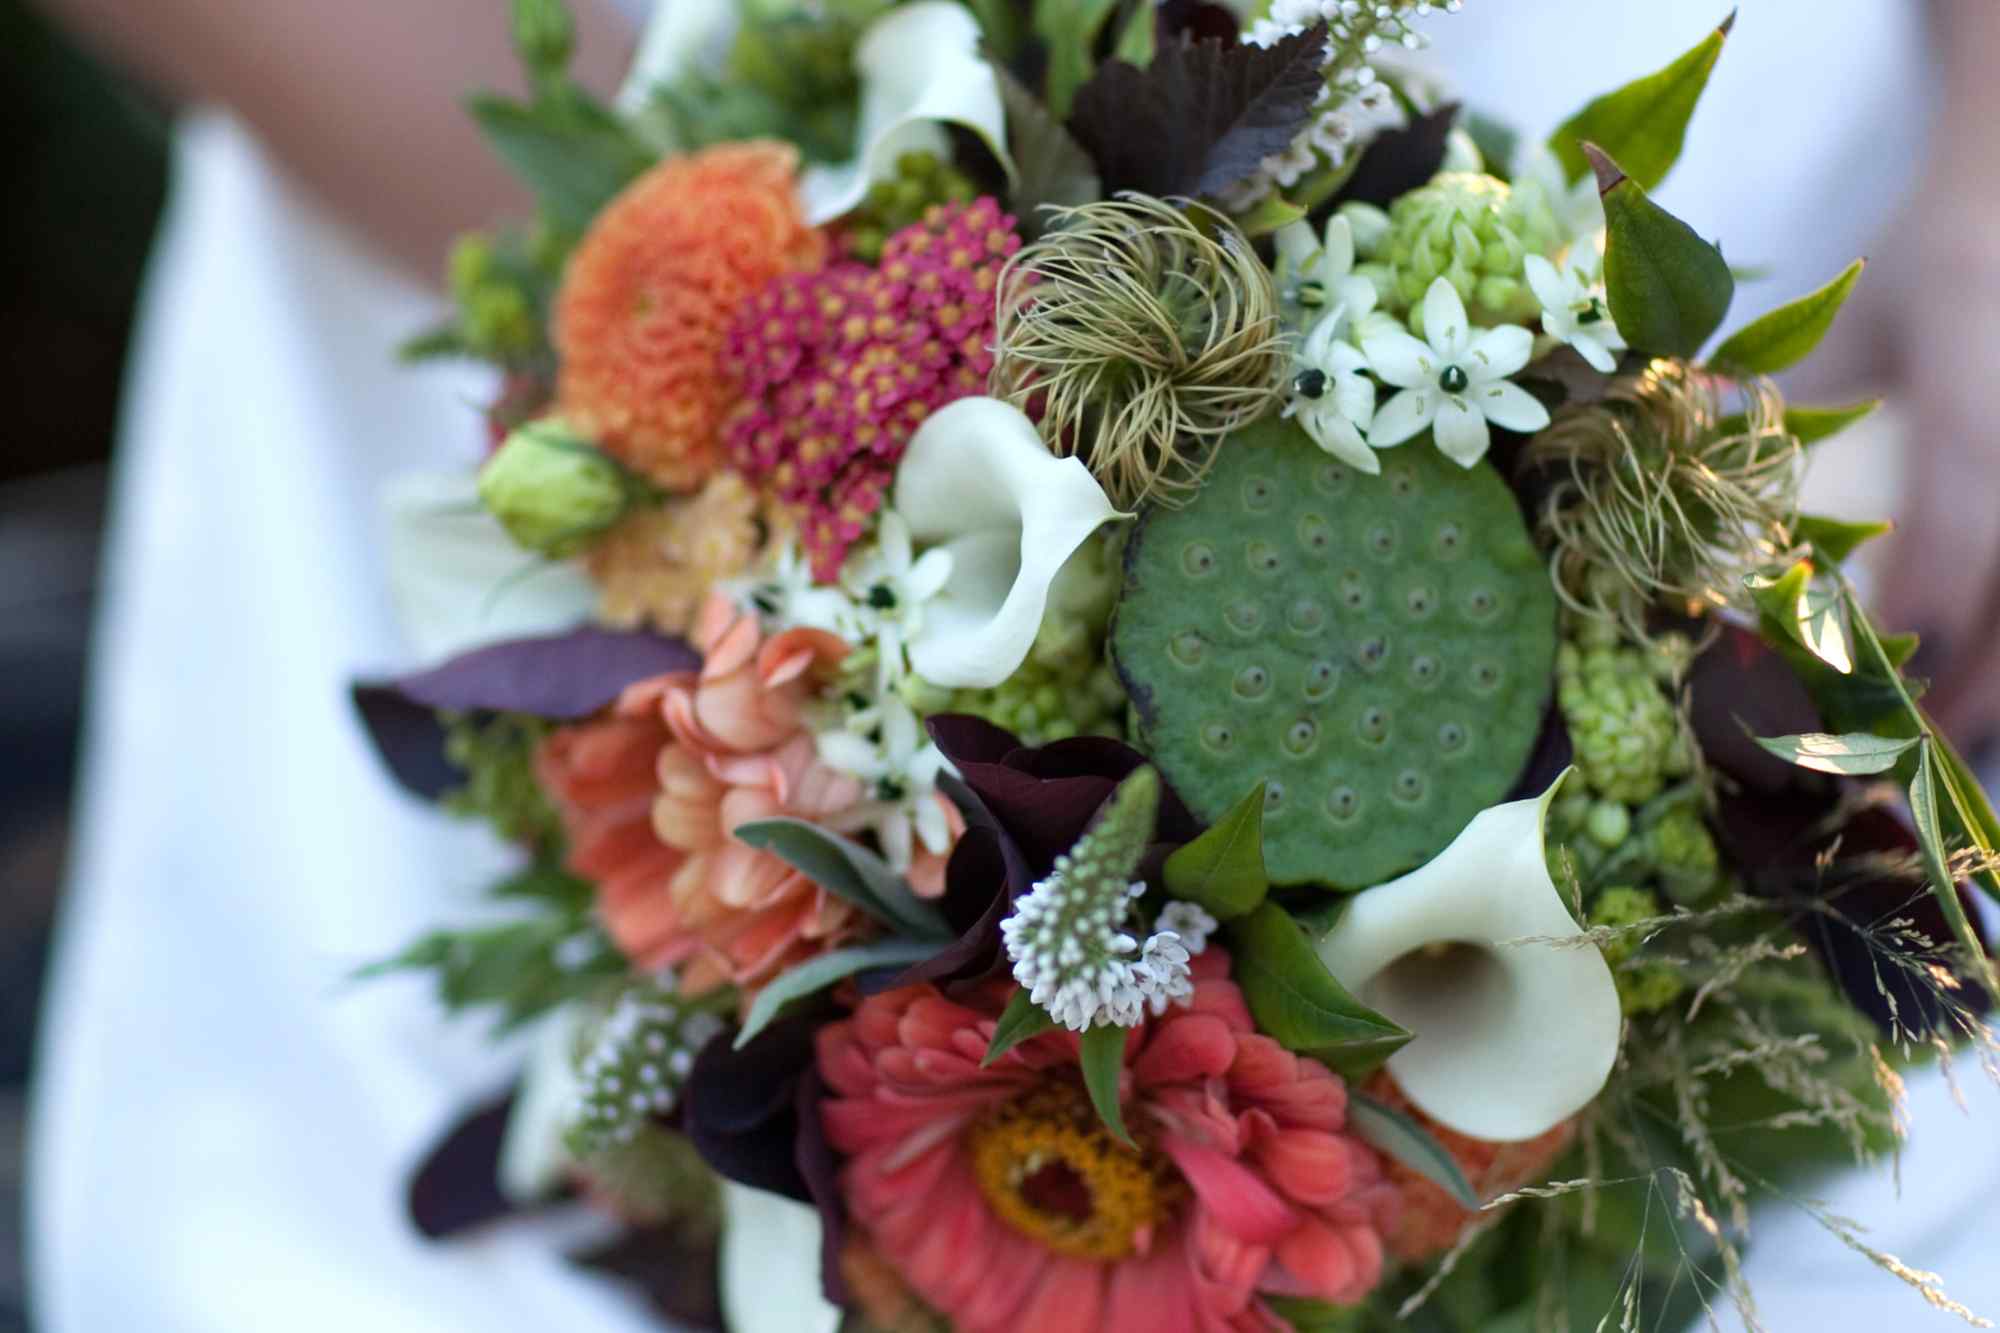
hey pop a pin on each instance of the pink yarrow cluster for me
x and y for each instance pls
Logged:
(838, 367)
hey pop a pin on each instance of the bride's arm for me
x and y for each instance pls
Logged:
(360, 99)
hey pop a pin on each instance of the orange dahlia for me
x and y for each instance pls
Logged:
(1430, 1220)
(651, 290)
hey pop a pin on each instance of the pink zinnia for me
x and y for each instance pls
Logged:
(1005, 1204)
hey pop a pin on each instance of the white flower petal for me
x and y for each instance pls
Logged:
(919, 65)
(681, 37)
(460, 582)
(928, 576)
(1512, 1038)
(1594, 349)
(850, 754)
(1398, 358)
(769, 1265)
(1495, 354)
(533, 1161)
(1509, 406)
(1445, 325)
(1547, 284)
(1355, 396)
(1404, 415)
(978, 480)
(1460, 431)
(1338, 436)
(1338, 260)
(1295, 244)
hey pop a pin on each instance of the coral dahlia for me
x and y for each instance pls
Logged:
(1003, 1202)
(651, 288)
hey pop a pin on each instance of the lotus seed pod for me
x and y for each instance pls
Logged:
(1474, 231)
(551, 490)
(1377, 650)
(1627, 737)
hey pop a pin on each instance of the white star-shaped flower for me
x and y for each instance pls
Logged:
(884, 745)
(1332, 396)
(1454, 380)
(1318, 273)
(1573, 311)
(890, 585)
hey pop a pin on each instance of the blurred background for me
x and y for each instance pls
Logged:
(76, 241)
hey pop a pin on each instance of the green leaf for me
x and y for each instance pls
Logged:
(1102, 1052)
(1780, 599)
(444, 341)
(522, 968)
(544, 33)
(1297, 1002)
(1644, 123)
(1394, 1134)
(999, 24)
(847, 870)
(1496, 140)
(1813, 424)
(1937, 854)
(1136, 40)
(1069, 28)
(1054, 171)
(574, 155)
(1837, 538)
(1022, 1019)
(1302, 1315)
(1267, 215)
(1854, 754)
(1223, 869)
(1899, 649)
(809, 978)
(1786, 336)
(1669, 289)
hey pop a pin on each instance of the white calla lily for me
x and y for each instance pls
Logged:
(769, 1265)
(919, 66)
(1514, 1033)
(533, 1161)
(681, 37)
(460, 582)
(978, 482)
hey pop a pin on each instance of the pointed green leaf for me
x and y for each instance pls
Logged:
(1269, 214)
(809, 978)
(1137, 38)
(1297, 1002)
(1022, 1019)
(1102, 1052)
(1937, 854)
(1304, 1315)
(1223, 869)
(1854, 754)
(1780, 598)
(1054, 169)
(1644, 123)
(1394, 1134)
(574, 155)
(1837, 538)
(1069, 29)
(1899, 649)
(1786, 336)
(847, 870)
(1669, 289)
(1808, 425)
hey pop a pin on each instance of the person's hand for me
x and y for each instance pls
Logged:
(1942, 572)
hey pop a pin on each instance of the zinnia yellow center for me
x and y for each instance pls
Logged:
(1049, 1167)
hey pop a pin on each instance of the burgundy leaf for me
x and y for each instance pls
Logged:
(1200, 117)
(410, 740)
(1399, 161)
(740, 1108)
(557, 676)
(819, 1167)
(457, 1186)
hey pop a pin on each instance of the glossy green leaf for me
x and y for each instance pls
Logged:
(1397, 1135)
(1267, 215)
(1644, 123)
(1223, 869)
(1297, 1002)
(815, 975)
(1102, 1052)
(847, 870)
(1780, 598)
(574, 155)
(1069, 29)
(1808, 425)
(1668, 288)
(1021, 1019)
(1854, 754)
(1137, 38)
(1838, 538)
(1924, 814)
(1786, 336)
(1899, 648)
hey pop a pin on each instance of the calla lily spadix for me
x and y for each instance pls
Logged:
(920, 67)
(1514, 1034)
(978, 482)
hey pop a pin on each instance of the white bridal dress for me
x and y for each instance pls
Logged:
(223, 1124)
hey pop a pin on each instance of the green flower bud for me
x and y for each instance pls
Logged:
(1628, 739)
(920, 181)
(552, 491)
(1649, 987)
(1475, 232)
(544, 35)
(1609, 824)
(1683, 854)
(1623, 905)
(470, 264)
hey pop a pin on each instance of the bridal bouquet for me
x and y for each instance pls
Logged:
(1151, 679)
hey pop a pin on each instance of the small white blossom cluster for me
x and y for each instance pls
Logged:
(1071, 953)
(636, 1063)
(1357, 105)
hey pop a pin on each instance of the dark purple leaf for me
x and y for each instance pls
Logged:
(1399, 161)
(740, 1107)
(1740, 681)
(674, 1267)
(410, 740)
(1200, 117)
(819, 1167)
(457, 1186)
(1198, 19)
(557, 676)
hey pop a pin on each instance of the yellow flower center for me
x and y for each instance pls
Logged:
(1051, 1170)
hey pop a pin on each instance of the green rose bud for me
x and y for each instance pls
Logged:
(544, 35)
(552, 491)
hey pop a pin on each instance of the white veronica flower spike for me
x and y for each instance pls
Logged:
(1574, 313)
(1453, 381)
(978, 481)
(1514, 1031)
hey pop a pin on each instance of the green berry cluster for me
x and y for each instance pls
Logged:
(496, 751)
(921, 181)
(1643, 986)
(1473, 230)
(1628, 739)
(500, 287)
